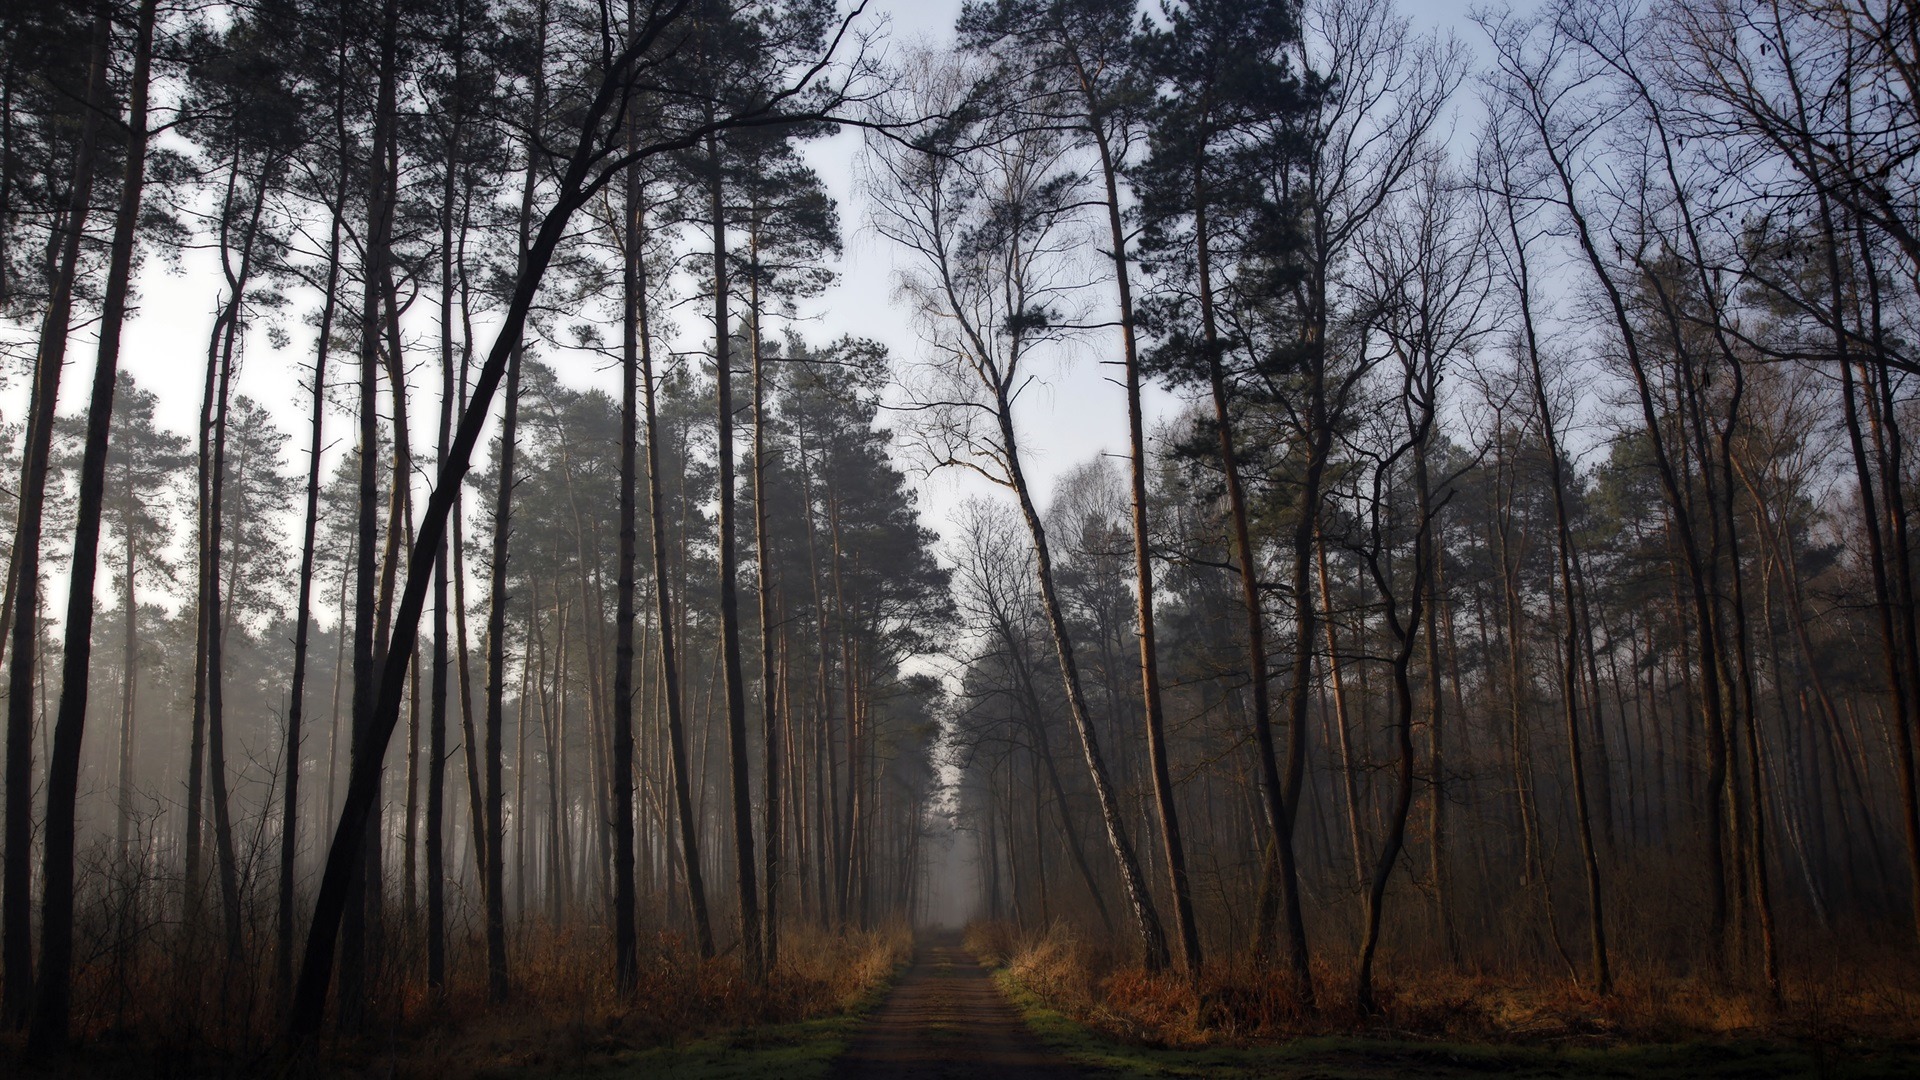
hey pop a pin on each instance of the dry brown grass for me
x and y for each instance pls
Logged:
(1235, 1003)
(193, 1018)
(567, 1012)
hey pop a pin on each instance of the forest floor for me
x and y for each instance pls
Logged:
(941, 1018)
(950, 1016)
(1095, 1053)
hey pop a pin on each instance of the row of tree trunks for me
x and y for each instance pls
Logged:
(16, 921)
(52, 1001)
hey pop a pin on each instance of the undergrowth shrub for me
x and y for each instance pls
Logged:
(1235, 1002)
(565, 1011)
(153, 1014)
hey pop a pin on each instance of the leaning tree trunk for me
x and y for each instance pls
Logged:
(1153, 938)
(1154, 711)
(1035, 715)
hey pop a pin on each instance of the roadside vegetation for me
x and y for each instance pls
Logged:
(692, 1019)
(1106, 1015)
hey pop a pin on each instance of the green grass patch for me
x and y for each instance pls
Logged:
(1356, 1058)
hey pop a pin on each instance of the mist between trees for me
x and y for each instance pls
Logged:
(1523, 586)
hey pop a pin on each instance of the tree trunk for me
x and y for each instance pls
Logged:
(1438, 862)
(296, 702)
(573, 187)
(751, 942)
(495, 848)
(469, 737)
(529, 695)
(763, 571)
(1153, 939)
(1711, 675)
(1278, 811)
(364, 758)
(626, 961)
(1154, 711)
(1406, 636)
(213, 629)
(825, 796)
(497, 600)
(1420, 391)
(129, 672)
(16, 919)
(1349, 767)
(1570, 658)
(1042, 751)
(669, 658)
(52, 1001)
(437, 726)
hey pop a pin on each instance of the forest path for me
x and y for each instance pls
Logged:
(947, 1020)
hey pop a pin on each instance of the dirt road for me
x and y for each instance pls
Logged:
(947, 1020)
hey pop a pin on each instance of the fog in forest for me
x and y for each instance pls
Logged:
(1268, 518)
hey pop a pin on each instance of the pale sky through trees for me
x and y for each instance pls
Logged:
(1077, 414)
